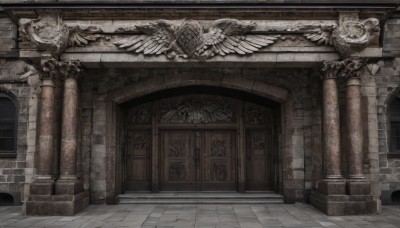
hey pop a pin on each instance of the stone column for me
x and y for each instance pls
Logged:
(68, 184)
(353, 119)
(43, 182)
(330, 122)
(333, 182)
(356, 184)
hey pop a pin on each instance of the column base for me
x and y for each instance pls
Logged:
(332, 187)
(66, 205)
(68, 186)
(42, 186)
(358, 187)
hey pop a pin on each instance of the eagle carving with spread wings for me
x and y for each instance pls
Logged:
(192, 40)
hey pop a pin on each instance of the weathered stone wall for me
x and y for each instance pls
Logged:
(15, 172)
(8, 37)
(387, 87)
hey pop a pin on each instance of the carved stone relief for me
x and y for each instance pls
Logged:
(47, 35)
(197, 111)
(197, 39)
(255, 114)
(190, 39)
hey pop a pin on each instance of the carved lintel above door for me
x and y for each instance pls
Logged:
(196, 39)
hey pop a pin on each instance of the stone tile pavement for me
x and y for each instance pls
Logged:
(201, 216)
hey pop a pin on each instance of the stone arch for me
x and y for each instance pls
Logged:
(140, 89)
(6, 199)
(395, 197)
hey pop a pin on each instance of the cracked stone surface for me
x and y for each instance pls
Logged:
(200, 216)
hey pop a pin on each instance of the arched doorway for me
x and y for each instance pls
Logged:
(200, 138)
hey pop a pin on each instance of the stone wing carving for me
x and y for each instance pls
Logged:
(46, 35)
(322, 34)
(156, 38)
(191, 39)
(229, 36)
(81, 35)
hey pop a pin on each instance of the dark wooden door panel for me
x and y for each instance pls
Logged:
(218, 160)
(259, 162)
(178, 169)
(138, 149)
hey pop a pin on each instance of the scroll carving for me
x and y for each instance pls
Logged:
(191, 39)
(47, 35)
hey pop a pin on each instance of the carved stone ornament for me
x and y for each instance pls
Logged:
(191, 39)
(32, 77)
(350, 37)
(51, 69)
(342, 69)
(70, 69)
(197, 111)
(354, 36)
(47, 35)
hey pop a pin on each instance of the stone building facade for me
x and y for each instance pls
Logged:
(101, 99)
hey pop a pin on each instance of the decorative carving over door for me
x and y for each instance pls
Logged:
(191, 39)
(197, 111)
(256, 114)
(141, 114)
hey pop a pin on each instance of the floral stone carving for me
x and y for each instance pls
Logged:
(191, 39)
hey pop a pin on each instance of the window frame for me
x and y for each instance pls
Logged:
(11, 97)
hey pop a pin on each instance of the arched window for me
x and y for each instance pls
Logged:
(395, 125)
(8, 126)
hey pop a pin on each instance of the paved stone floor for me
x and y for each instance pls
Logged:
(206, 216)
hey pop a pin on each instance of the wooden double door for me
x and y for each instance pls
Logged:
(199, 143)
(198, 160)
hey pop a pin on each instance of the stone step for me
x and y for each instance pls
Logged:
(201, 198)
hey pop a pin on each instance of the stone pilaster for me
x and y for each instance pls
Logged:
(43, 183)
(68, 183)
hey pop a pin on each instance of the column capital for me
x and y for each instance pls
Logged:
(347, 68)
(48, 69)
(70, 69)
(351, 68)
(331, 69)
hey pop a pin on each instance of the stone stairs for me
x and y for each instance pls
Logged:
(200, 198)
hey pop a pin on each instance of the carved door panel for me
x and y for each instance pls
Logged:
(259, 160)
(138, 150)
(218, 160)
(178, 158)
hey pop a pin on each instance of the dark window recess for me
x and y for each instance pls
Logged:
(395, 125)
(396, 197)
(6, 199)
(8, 126)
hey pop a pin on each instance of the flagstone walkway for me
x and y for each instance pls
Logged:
(201, 216)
